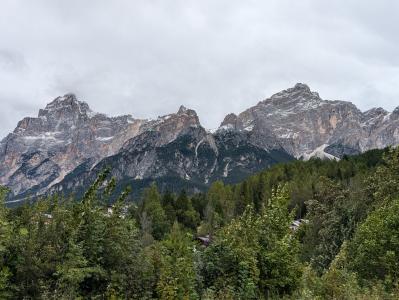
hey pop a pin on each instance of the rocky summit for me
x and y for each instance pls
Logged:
(67, 144)
(306, 125)
(42, 150)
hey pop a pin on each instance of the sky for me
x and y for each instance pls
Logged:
(148, 57)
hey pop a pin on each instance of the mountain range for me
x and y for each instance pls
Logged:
(67, 144)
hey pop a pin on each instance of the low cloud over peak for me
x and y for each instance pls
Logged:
(146, 58)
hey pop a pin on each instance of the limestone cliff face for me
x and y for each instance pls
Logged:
(43, 149)
(67, 144)
(302, 123)
(67, 133)
(193, 160)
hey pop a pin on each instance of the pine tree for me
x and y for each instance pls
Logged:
(185, 213)
(152, 207)
(177, 274)
(384, 183)
(168, 204)
(373, 251)
(72, 271)
(243, 199)
(278, 257)
(5, 239)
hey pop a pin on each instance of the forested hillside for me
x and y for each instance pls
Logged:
(318, 229)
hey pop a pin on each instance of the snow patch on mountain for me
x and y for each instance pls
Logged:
(319, 153)
(104, 139)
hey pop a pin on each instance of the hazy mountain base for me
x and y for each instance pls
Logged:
(63, 249)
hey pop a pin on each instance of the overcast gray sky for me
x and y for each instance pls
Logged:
(148, 57)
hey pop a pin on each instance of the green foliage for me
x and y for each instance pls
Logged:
(219, 209)
(5, 239)
(152, 214)
(330, 224)
(231, 260)
(384, 183)
(4, 224)
(104, 247)
(279, 263)
(256, 254)
(74, 249)
(71, 272)
(185, 213)
(373, 252)
(177, 273)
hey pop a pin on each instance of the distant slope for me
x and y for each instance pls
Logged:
(192, 161)
(301, 121)
(64, 147)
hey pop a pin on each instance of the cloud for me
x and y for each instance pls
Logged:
(148, 57)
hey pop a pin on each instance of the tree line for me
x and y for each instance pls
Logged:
(89, 248)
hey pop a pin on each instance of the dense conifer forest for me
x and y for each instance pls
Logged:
(299, 230)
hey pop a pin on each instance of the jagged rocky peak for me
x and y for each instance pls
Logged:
(295, 122)
(183, 114)
(62, 114)
(65, 133)
(231, 121)
(186, 111)
(379, 116)
(301, 122)
(375, 111)
(172, 125)
(68, 100)
(299, 88)
(67, 105)
(300, 94)
(182, 109)
(374, 115)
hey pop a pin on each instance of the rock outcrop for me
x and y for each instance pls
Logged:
(193, 160)
(305, 124)
(67, 144)
(42, 150)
